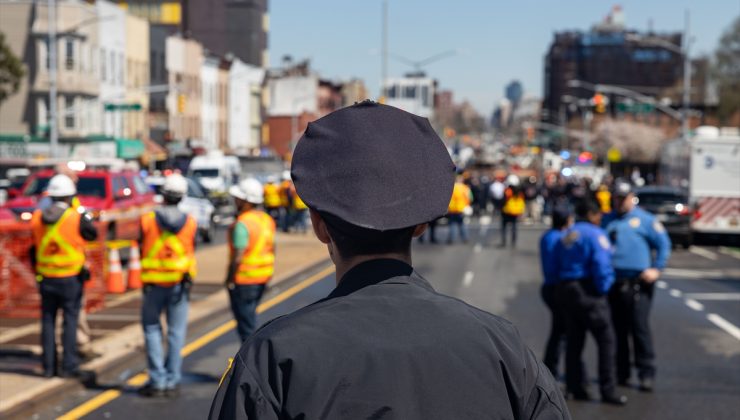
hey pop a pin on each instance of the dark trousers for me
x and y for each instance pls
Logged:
(506, 220)
(587, 312)
(630, 301)
(557, 328)
(456, 221)
(431, 232)
(56, 294)
(244, 300)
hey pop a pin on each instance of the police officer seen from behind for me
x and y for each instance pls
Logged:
(585, 275)
(561, 220)
(636, 234)
(383, 344)
(251, 254)
(167, 271)
(58, 255)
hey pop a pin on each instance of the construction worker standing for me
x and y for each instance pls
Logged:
(251, 254)
(459, 202)
(272, 199)
(168, 268)
(604, 197)
(58, 255)
(514, 206)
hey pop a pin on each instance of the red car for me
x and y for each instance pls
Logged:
(114, 199)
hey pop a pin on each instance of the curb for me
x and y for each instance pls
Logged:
(123, 345)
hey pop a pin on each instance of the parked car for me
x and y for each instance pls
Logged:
(115, 199)
(671, 207)
(195, 203)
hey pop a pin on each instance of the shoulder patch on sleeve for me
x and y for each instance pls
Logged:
(570, 238)
(604, 242)
(658, 227)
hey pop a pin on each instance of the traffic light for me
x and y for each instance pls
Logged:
(181, 104)
(599, 102)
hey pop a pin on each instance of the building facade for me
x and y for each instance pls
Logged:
(137, 78)
(209, 102)
(112, 58)
(26, 26)
(245, 107)
(414, 94)
(184, 60)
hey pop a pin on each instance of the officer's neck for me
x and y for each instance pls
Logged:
(343, 266)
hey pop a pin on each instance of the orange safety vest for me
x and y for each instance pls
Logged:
(167, 256)
(284, 189)
(514, 205)
(604, 197)
(60, 249)
(272, 196)
(257, 263)
(460, 198)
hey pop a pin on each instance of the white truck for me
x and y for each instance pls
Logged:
(215, 173)
(708, 164)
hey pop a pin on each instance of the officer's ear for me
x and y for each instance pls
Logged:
(420, 229)
(319, 227)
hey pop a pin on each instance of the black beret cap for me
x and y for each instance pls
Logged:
(374, 166)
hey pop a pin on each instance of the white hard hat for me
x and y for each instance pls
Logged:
(249, 190)
(175, 184)
(61, 186)
(512, 180)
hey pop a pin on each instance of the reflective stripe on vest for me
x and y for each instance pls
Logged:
(167, 258)
(57, 254)
(257, 264)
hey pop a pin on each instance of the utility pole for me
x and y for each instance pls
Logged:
(53, 62)
(384, 61)
(686, 79)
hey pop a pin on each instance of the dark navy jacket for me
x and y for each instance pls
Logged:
(547, 255)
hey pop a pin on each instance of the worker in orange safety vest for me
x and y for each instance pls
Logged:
(251, 254)
(514, 207)
(167, 270)
(60, 232)
(459, 205)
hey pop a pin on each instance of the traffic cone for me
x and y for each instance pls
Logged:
(134, 267)
(115, 273)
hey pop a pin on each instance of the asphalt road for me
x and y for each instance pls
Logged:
(694, 320)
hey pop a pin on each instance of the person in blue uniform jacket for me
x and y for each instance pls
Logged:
(636, 235)
(384, 344)
(585, 274)
(561, 220)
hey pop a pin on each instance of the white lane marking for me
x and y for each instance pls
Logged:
(661, 284)
(478, 248)
(675, 293)
(485, 220)
(713, 296)
(725, 325)
(468, 278)
(730, 252)
(703, 253)
(695, 274)
(691, 303)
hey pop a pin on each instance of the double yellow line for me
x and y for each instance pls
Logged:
(140, 379)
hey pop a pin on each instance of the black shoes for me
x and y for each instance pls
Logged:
(172, 392)
(614, 399)
(150, 391)
(579, 395)
(646, 385)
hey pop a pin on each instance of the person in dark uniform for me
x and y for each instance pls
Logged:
(585, 274)
(635, 234)
(384, 344)
(561, 220)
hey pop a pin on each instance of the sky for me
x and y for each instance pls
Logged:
(496, 41)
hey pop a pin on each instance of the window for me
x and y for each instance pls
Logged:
(103, 67)
(120, 69)
(409, 92)
(140, 186)
(112, 68)
(69, 61)
(425, 96)
(68, 111)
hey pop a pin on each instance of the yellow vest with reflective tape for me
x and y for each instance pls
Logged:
(60, 249)
(257, 263)
(167, 256)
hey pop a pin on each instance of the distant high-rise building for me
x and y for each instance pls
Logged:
(612, 55)
(514, 92)
(236, 27)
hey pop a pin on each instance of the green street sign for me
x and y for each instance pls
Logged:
(122, 107)
(639, 108)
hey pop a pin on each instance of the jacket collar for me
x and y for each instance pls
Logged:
(374, 272)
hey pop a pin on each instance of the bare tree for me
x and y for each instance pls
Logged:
(726, 71)
(11, 70)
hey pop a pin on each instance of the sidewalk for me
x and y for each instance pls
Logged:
(116, 330)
